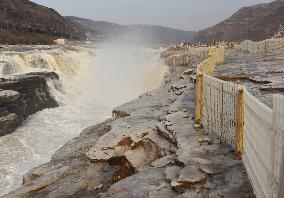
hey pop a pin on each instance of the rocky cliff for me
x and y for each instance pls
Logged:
(102, 30)
(255, 23)
(22, 96)
(25, 22)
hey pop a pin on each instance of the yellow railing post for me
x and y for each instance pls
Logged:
(240, 122)
(198, 103)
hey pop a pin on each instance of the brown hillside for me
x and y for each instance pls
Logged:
(255, 23)
(25, 22)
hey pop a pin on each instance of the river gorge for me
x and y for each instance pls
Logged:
(93, 80)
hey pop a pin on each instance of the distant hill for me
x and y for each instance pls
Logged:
(255, 23)
(102, 31)
(25, 22)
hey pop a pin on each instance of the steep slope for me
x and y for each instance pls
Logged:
(255, 23)
(102, 30)
(25, 22)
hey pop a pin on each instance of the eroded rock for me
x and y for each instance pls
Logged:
(188, 176)
(134, 138)
(72, 177)
(8, 96)
(34, 93)
(138, 185)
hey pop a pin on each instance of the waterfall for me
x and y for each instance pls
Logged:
(61, 60)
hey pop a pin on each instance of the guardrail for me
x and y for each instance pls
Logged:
(240, 120)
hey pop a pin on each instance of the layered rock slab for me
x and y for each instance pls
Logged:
(132, 137)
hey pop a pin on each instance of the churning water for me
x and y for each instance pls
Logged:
(93, 82)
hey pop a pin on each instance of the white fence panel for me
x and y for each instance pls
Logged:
(263, 139)
(278, 124)
(258, 144)
(219, 108)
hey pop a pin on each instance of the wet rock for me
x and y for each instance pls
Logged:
(8, 123)
(3, 111)
(8, 96)
(34, 93)
(44, 74)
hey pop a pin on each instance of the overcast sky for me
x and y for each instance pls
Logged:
(181, 14)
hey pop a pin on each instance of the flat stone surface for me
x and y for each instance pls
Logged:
(138, 185)
(153, 104)
(262, 70)
(163, 193)
(191, 175)
(172, 173)
(210, 169)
